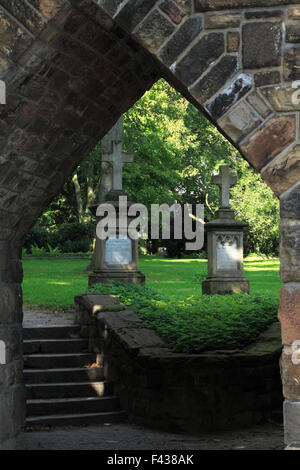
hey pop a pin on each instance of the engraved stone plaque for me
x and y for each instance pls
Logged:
(118, 251)
(227, 254)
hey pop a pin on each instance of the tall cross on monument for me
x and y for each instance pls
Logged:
(113, 153)
(224, 179)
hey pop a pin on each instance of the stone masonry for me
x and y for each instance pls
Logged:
(175, 391)
(73, 67)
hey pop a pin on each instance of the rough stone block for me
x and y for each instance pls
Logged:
(231, 95)
(117, 320)
(266, 78)
(259, 104)
(215, 5)
(14, 40)
(134, 339)
(222, 21)
(206, 51)
(110, 6)
(25, 14)
(215, 79)
(94, 303)
(133, 13)
(49, 8)
(291, 413)
(154, 31)
(256, 15)
(173, 12)
(273, 138)
(185, 5)
(290, 371)
(265, 51)
(282, 99)
(289, 313)
(10, 303)
(291, 64)
(181, 40)
(290, 204)
(283, 172)
(233, 41)
(238, 123)
(292, 25)
(290, 250)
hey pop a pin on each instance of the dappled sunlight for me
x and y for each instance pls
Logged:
(55, 282)
(59, 283)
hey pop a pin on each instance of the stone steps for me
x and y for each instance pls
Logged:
(77, 419)
(69, 390)
(76, 374)
(46, 346)
(56, 361)
(52, 332)
(61, 386)
(54, 406)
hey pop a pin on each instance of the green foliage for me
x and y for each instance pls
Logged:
(66, 238)
(37, 251)
(176, 151)
(255, 203)
(53, 251)
(198, 323)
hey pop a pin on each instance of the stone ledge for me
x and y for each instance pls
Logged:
(215, 5)
(188, 392)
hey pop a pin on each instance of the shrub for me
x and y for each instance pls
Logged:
(37, 251)
(199, 323)
(67, 238)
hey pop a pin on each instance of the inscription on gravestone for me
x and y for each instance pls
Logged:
(227, 254)
(118, 251)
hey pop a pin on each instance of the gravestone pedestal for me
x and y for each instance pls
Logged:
(117, 257)
(225, 256)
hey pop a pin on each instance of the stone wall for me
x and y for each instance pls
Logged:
(180, 392)
(72, 67)
(12, 392)
(69, 75)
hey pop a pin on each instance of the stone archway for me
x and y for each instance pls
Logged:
(72, 67)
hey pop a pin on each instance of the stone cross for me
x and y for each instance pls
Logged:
(224, 179)
(112, 152)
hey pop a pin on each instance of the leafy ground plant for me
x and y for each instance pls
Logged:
(198, 323)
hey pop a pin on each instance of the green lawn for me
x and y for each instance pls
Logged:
(54, 282)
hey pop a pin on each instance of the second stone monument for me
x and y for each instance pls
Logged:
(225, 244)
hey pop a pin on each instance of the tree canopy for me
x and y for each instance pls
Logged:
(176, 151)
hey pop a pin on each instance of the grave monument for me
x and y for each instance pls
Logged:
(116, 258)
(225, 244)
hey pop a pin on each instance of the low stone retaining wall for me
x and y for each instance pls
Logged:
(181, 392)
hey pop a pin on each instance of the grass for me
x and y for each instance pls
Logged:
(54, 282)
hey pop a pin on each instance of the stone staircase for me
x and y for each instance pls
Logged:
(61, 388)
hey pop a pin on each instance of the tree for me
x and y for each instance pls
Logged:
(176, 151)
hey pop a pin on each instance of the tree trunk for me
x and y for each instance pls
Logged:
(78, 197)
(103, 187)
